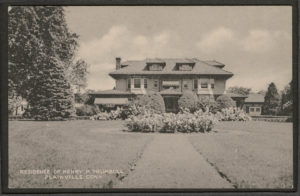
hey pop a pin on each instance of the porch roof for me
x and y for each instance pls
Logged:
(111, 92)
(170, 91)
(235, 95)
(255, 98)
(113, 101)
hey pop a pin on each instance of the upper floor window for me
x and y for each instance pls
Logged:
(145, 83)
(195, 84)
(212, 83)
(204, 84)
(137, 83)
(155, 83)
(185, 84)
(129, 83)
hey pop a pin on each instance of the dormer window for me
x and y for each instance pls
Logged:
(184, 66)
(155, 66)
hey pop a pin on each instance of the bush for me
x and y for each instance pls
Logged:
(207, 103)
(169, 122)
(87, 110)
(232, 114)
(112, 115)
(225, 101)
(189, 101)
(151, 101)
(147, 122)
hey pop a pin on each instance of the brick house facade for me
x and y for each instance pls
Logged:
(169, 77)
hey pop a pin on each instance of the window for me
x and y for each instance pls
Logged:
(195, 84)
(203, 84)
(145, 83)
(155, 67)
(257, 109)
(185, 85)
(137, 83)
(212, 85)
(129, 83)
(185, 67)
(251, 109)
(155, 83)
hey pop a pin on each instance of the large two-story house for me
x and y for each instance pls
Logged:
(168, 76)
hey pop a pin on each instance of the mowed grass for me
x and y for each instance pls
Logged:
(81, 145)
(252, 154)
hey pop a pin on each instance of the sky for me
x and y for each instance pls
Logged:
(254, 42)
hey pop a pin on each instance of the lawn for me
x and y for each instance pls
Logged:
(97, 147)
(253, 154)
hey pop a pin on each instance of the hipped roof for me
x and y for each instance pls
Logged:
(137, 67)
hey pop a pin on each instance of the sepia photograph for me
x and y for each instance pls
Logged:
(150, 97)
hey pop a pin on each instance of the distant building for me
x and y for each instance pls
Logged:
(253, 104)
(168, 76)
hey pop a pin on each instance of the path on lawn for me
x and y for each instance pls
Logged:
(170, 161)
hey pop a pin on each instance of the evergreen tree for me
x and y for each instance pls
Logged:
(272, 100)
(287, 100)
(41, 49)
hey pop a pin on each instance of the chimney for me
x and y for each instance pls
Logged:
(118, 63)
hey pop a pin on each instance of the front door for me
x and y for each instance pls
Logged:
(171, 104)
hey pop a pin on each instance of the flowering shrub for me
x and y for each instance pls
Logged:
(169, 122)
(232, 114)
(188, 100)
(147, 122)
(87, 110)
(112, 115)
(101, 116)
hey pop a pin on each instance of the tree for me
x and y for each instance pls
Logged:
(262, 92)
(224, 101)
(287, 100)
(41, 48)
(239, 90)
(78, 74)
(272, 100)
